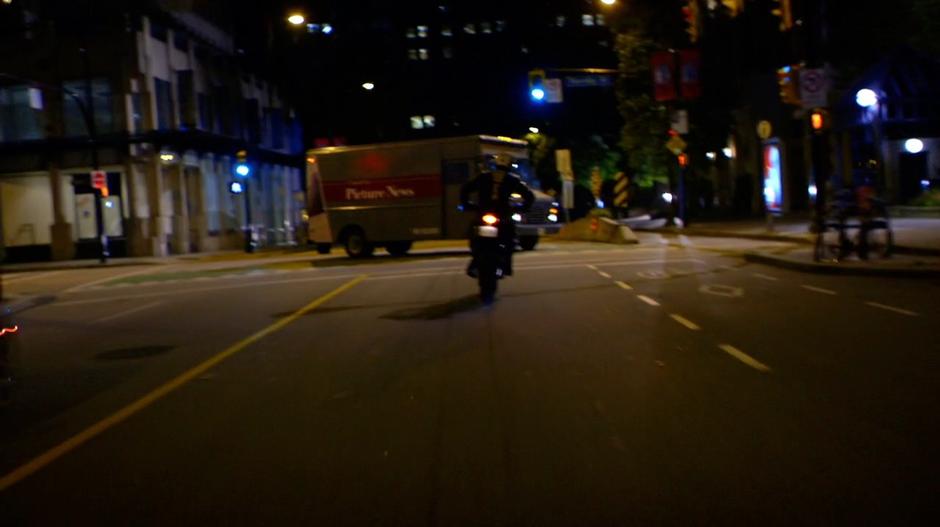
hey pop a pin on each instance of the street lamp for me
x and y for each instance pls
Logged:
(296, 19)
(534, 130)
(866, 98)
(608, 2)
(914, 146)
(368, 86)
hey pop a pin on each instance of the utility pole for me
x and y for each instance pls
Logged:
(817, 40)
(89, 114)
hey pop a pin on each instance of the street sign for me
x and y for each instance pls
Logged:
(589, 81)
(765, 130)
(814, 88)
(676, 145)
(563, 164)
(596, 181)
(621, 190)
(680, 121)
(554, 93)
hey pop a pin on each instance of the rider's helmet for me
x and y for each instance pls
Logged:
(502, 162)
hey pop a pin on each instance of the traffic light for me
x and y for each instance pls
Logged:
(242, 167)
(734, 6)
(789, 87)
(783, 9)
(683, 160)
(690, 12)
(819, 120)
(537, 85)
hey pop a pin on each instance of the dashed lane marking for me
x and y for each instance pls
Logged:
(624, 285)
(648, 300)
(745, 358)
(819, 290)
(686, 322)
(592, 267)
(893, 309)
(605, 275)
(766, 277)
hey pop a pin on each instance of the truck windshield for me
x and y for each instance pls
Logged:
(523, 167)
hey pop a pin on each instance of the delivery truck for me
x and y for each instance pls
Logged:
(391, 195)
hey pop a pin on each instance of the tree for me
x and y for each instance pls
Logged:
(643, 27)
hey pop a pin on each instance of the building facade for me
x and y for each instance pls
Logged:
(158, 99)
(447, 68)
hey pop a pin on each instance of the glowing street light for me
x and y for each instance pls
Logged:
(534, 130)
(297, 19)
(368, 86)
(914, 146)
(608, 2)
(866, 98)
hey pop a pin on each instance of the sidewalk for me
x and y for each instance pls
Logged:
(216, 260)
(919, 236)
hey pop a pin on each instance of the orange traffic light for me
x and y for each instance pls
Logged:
(819, 120)
(683, 160)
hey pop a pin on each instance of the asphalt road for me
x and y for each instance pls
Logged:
(658, 384)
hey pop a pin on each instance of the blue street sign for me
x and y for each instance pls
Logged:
(589, 81)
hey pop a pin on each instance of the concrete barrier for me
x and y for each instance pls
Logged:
(603, 230)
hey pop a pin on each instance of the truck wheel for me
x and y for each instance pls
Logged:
(357, 246)
(398, 248)
(324, 248)
(528, 243)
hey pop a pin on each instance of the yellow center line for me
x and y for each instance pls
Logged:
(745, 358)
(135, 407)
(605, 275)
(624, 285)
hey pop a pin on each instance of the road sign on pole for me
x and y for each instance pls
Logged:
(814, 88)
(554, 92)
(621, 192)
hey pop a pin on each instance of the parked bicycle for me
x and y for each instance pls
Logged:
(856, 222)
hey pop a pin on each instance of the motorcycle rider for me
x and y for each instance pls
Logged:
(496, 188)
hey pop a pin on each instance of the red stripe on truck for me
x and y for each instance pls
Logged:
(391, 189)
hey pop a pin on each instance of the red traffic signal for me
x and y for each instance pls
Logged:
(819, 120)
(683, 160)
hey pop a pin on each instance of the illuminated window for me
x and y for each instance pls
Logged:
(413, 54)
(422, 31)
(446, 31)
(470, 29)
(417, 122)
(423, 54)
(500, 25)
(429, 121)
(601, 21)
(410, 33)
(587, 20)
(560, 20)
(486, 28)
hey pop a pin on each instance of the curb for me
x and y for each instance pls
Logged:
(898, 249)
(20, 304)
(64, 267)
(835, 269)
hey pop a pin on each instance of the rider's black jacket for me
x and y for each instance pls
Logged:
(493, 192)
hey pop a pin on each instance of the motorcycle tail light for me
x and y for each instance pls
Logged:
(490, 219)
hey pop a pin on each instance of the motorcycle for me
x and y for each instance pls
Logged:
(8, 331)
(489, 255)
